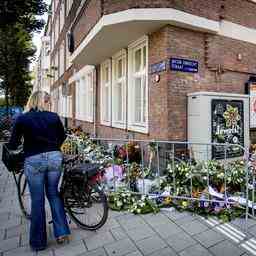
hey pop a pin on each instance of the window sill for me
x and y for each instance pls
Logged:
(105, 123)
(118, 125)
(138, 128)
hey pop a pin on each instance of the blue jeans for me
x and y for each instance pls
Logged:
(43, 173)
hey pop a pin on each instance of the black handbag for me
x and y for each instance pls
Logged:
(13, 159)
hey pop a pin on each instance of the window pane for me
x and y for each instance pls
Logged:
(144, 56)
(119, 101)
(144, 100)
(119, 68)
(106, 104)
(137, 60)
(137, 109)
(106, 74)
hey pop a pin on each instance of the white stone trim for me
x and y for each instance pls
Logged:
(171, 16)
(238, 32)
(86, 69)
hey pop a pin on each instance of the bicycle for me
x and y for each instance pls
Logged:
(80, 190)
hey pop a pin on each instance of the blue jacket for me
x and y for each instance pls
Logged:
(42, 131)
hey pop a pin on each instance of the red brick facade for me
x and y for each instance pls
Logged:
(225, 64)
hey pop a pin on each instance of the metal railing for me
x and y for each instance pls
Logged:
(193, 170)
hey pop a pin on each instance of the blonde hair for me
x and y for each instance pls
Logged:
(38, 100)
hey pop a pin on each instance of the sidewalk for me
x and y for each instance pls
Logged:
(124, 234)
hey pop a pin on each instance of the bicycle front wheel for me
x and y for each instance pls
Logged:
(24, 196)
(90, 211)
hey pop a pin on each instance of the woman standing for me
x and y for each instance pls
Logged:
(43, 135)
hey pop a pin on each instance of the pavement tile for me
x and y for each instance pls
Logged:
(110, 223)
(71, 249)
(13, 222)
(226, 248)
(120, 248)
(252, 230)
(97, 252)
(241, 222)
(21, 251)
(24, 239)
(137, 234)
(197, 250)
(9, 244)
(209, 238)
(137, 253)
(2, 234)
(155, 219)
(176, 215)
(194, 227)
(168, 229)
(47, 252)
(17, 230)
(130, 223)
(4, 217)
(189, 218)
(98, 240)
(79, 234)
(180, 241)
(118, 233)
(164, 252)
(150, 245)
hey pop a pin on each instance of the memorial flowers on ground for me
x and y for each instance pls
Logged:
(214, 187)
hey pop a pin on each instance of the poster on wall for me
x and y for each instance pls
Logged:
(252, 105)
(227, 127)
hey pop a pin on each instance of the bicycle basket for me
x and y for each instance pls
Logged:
(13, 159)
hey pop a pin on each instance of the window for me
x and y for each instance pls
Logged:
(66, 101)
(119, 89)
(138, 86)
(106, 92)
(56, 66)
(55, 100)
(85, 96)
(69, 6)
(62, 14)
(62, 58)
(56, 29)
(68, 62)
(59, 107)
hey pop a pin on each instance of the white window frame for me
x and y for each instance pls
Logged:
(62, 58)
(132, 125)
(62, 14)
(85, 95)
(68, 55)
(69, 6)
(116, 82)
(103, 85)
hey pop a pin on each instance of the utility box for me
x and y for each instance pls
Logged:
(218, 118)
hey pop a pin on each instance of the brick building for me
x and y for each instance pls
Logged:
(111, 61)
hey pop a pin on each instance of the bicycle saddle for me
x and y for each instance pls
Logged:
(86, 169)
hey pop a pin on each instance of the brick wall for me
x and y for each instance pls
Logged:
(240, 11)
(89, 16)
(205, 8)
(191, 45)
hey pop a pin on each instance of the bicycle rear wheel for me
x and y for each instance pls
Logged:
(90, 211)
(24, 196)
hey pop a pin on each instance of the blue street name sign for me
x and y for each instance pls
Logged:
(158, 67)
(184, 65)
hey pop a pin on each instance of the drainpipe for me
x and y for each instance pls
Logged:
(95, 82)
(127, 91)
